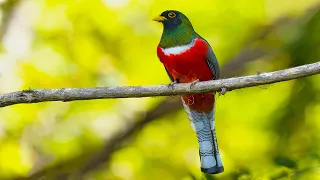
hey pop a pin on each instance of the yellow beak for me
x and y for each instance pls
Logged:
(159, 18)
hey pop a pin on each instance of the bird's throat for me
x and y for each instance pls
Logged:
(179, 36)
(178, 49)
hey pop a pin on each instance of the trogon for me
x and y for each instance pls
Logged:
(187, 57)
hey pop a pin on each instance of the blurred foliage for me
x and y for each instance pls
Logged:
(269, 132)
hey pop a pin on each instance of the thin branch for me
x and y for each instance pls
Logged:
(72, 94)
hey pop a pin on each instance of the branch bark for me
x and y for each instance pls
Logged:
(72, 94)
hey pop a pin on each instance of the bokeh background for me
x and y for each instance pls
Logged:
(266, 132)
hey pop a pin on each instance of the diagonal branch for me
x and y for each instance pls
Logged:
(72, 94)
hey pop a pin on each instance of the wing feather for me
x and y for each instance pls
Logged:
(212, 61)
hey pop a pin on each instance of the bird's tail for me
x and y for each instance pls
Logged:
(204, 125)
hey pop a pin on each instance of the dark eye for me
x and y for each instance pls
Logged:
(172, 15)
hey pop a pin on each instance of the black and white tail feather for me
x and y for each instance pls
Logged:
(204, 126)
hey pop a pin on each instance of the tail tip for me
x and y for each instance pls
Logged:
(213, 170)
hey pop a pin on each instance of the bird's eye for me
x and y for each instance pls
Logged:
(172, 15)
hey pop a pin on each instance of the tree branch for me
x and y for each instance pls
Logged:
(72, 94)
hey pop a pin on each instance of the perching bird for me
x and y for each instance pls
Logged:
(187, 57)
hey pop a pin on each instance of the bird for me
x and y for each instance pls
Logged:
(189, 58)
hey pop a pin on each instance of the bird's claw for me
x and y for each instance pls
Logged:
(171, 84)
(223, 91)
(193, 83)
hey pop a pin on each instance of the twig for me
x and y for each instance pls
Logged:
(72, 94)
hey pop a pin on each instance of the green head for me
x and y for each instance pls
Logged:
(177, 29)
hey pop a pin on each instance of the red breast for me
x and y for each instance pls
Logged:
(188, 65)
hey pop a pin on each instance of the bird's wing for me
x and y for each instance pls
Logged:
(212, 61)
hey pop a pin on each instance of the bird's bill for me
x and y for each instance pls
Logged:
(159, 18)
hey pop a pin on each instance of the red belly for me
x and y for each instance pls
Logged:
(188, 67)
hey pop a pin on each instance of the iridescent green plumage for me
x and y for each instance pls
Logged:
(177, 31)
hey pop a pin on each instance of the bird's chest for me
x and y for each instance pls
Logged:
(186, 63)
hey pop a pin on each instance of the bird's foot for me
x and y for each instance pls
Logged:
(193, 83)
(223, 91)
(171, 84)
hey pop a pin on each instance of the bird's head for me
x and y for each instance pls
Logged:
(172, 19)
(178, 29)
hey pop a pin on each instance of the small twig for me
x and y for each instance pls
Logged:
(223, 91)
(258, 72)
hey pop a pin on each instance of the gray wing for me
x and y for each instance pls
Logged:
(212, 61)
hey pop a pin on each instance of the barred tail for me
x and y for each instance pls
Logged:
(204, 126)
